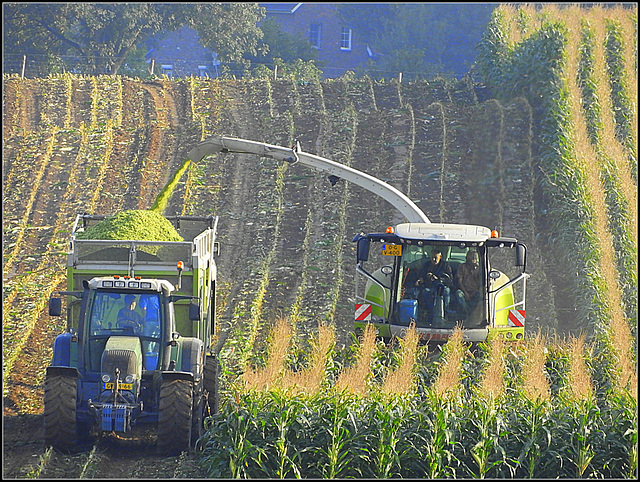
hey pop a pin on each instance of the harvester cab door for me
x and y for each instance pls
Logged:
(506, 288)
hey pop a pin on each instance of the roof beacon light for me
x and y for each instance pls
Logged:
(494, 233)
(390, 230)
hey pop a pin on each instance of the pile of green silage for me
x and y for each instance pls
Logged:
(133, 225)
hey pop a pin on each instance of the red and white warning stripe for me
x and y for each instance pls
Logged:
(363, 312)
(516, 318)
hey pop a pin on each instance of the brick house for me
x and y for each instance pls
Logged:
(180, 54)
(339, 48)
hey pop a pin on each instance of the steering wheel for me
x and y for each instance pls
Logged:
(441, 276)
(129, 325)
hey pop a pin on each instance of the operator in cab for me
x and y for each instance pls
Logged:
(469, 283)
(128, 317)
(430, 282)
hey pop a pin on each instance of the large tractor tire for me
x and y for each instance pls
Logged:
(60, 426)
(175, 417)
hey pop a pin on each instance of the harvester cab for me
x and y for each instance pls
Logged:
(438, 277)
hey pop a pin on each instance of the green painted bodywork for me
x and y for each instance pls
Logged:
(195, 280)
(382, 329)
(503, 300)
(195, 247)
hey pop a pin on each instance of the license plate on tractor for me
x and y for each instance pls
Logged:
(121, 386)
(392, 250)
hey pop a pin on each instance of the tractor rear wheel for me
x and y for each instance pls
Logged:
(199, 405)
(60, 426)
(211, 382)
(175, 416)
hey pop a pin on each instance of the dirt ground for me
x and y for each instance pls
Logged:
(101, 147)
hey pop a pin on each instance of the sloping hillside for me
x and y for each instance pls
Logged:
(102, 145)
(575, 64)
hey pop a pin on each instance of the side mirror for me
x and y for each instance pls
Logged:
(521, 256)
(194, 312)
(55, 306)
(363, 249)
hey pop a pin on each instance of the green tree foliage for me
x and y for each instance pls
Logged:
(230, 29)
(93, 37)
(277, 44)
(291, 54)
(98, 37)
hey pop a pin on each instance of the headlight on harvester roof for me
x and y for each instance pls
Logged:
(107, 284)
(145, 284)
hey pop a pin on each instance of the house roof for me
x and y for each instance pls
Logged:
(287, 8)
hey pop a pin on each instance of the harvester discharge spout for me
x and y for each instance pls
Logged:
(294, 155)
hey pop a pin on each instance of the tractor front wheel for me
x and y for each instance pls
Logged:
(175, 417)
(60, 426)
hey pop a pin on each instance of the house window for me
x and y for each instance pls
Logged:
(315, 30)
(345, 39)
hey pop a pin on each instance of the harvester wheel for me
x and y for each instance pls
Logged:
(60, 430)
(174, 417)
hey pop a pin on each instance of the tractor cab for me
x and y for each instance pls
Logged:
(439, 276)
(125, 340)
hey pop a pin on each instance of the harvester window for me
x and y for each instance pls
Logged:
(431, 277)
(104, 311)
(129, 317)
(467, 294)
(458, 254)
(150, 305)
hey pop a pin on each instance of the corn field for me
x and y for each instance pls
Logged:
(581, 64)
(539, 409)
